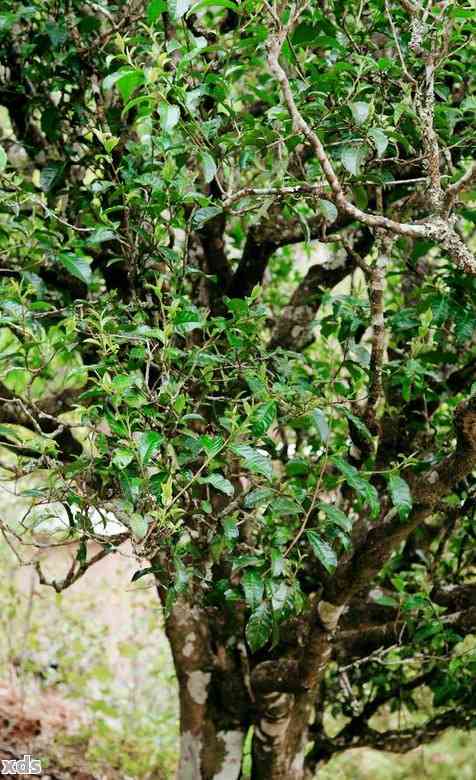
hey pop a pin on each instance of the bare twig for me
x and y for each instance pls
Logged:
(74, 572)
(408, 75)
(274, 192)
(466, 180)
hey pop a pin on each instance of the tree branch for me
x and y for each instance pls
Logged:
(465, 181)
(435, 229)
(79, 567)
(294, 328)
(426, 104)
(358, 725)
(376, 283)
(427, 490)
(41, 417)
(271, 233)
(412, 8)
(274, 192)
(393, 740)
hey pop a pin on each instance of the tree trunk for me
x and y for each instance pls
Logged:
(218, 706)
(214, 700)
(280, 737)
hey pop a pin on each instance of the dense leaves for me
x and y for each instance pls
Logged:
(183, 366)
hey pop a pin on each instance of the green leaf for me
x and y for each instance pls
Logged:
(3, 159)
(155, 9)
(100, 235)
(297, 467)
(416, 601)
(277, 563)
(262, 417)
(257, 497)
(7, 20)
(138, 525)
(155, 483)
(428, 630)
(401, 495)
(201, 216)
(385, 601)
(320, 422)
(209, 167)
(283, 505)
(252, 583)
(211, 444)
(50, 175)
(122, 457)
(351, 158)
(256, 385)
(57, 33)
(9, 433)
(322, 550)
(218, 3)
(281, 595)
(255, 461)
(242, 561)
(328, 210)
(336, 516)
(230, 528)
(219, 482)
(111, 78)
(360, 111)
(77, 266)
(149, 444)
(469, 104)
(259, 627)
(128, 83)
(358, 423)
(187, 320)
(169, 116)
(178, 8)
(359, 484)
(380, 140)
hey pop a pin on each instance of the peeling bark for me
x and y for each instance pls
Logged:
(214, 700)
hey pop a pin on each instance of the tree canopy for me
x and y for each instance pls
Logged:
(237, 318)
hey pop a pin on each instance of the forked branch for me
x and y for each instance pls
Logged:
(435, 228)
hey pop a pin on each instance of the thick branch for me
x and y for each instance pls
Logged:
(365, 612)
(254, 260)
(412, 8)
(315, 190)
(427, 490)
(281, 675)
(426, 103)
(357, 727)
(41, 417)
(393, 740)
(213, 243)
(376, 294)
(294, 328)
(263, 239)
(365, 640)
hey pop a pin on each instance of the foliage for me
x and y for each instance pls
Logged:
(267, 431)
